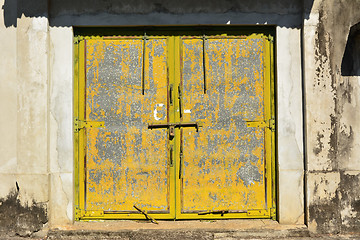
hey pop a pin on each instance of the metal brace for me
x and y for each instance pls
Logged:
(257, 212)
(80, 213)
(80, 124)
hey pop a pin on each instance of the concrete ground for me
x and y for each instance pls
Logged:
(178, 230)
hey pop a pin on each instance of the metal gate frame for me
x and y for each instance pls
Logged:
(174, 34)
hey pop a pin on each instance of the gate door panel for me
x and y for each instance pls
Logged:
(125, 162)
(172, 126)
(223, 163)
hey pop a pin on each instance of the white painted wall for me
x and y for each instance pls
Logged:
(289, 125)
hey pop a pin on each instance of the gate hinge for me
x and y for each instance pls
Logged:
(77, 40)
(259, 212)
(80, 124)
(271, 124)
(80, 213)
(268, 123)
(270, 38)
(273, 213)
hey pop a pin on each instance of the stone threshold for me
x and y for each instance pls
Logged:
(194, 229)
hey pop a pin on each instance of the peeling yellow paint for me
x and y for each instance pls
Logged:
(211, 180)
(138, 175)
(223, 164)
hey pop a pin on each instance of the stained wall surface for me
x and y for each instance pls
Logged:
(332, 118)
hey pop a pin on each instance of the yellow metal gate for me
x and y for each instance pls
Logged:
(174, 126)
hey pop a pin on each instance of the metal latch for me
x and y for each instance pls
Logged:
(197, 125)
(171, 132)
(268, 123)
(80, 124)
(172, 126)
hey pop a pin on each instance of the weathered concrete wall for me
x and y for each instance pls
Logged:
(24, 138)
(332, 119)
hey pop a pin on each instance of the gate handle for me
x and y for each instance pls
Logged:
(180, 103)
(171, 155)
(171, 94)
(181, 162)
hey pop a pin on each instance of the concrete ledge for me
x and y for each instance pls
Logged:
(199, 234)
(224, 229)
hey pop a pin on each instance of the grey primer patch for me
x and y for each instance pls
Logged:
(18, 219)
(249, 174)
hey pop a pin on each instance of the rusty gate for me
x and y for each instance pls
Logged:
(174, 126)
